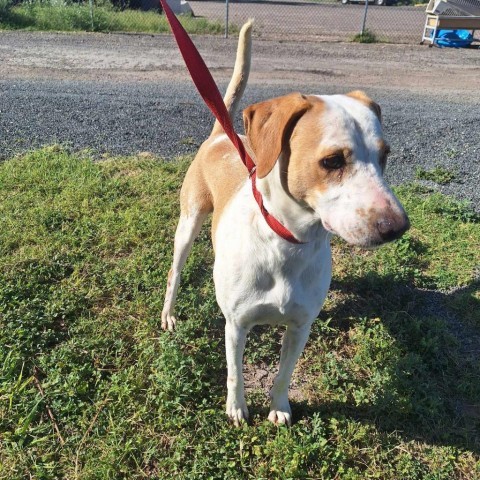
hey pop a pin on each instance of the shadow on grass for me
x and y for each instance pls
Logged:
(432, 391)
(426, 372)
(433, 394)
(13, 20)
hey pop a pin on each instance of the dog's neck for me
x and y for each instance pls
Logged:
(299, 219)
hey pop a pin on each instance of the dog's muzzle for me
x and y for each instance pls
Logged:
(392, 227)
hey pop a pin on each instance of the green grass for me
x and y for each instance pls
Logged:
(439, 175)
(77, 17)
(387, 387)
(366, 37)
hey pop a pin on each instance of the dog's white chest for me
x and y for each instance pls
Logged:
(261, 278)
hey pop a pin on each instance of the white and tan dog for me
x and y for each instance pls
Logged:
(319, 162)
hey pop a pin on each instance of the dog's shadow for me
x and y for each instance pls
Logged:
(433, 391)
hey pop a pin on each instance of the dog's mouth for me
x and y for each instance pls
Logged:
(383, 231)
(368, 242)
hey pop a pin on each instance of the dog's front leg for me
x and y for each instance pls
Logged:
(293, 344)
(235, 339)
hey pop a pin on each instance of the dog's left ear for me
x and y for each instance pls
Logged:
(367, 101)
(268, 125)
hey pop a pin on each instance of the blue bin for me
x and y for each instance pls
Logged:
(454, 38)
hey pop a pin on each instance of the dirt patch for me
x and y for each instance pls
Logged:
(121, 57)
(261, 377)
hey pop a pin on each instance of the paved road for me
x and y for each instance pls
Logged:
(333, 21)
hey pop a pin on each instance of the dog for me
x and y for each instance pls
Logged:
(319, 165)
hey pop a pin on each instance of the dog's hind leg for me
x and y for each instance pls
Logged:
(293, 344)
(187, 230)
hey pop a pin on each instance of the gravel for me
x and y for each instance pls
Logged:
(168, 119)
(125, 94)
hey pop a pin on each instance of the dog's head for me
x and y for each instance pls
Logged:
(331, 154)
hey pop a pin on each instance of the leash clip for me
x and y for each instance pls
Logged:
(252, 171)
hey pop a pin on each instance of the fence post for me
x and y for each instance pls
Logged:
(364, 17)
(91, 12)
(226, 18)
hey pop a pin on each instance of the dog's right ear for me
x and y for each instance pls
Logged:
(269, 124)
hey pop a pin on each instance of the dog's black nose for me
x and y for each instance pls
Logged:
(392, 227)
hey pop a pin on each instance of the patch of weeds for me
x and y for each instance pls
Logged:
(5, 7)
(439, 175)
(453, 209)
(418, 189)
(190, 141)
(366, 37)
(264, 344)
(451, 153)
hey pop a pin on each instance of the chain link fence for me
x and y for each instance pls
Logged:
(320, 19)
(330, 20)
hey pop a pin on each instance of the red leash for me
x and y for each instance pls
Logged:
(208, 89)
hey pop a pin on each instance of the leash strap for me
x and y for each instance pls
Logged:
(208, 90)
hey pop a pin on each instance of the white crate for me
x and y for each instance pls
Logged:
(454, 8)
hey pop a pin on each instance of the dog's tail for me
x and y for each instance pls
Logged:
(239, 79)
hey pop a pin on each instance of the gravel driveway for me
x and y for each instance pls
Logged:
(126, 94)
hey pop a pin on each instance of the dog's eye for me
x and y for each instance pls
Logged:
(334, 162)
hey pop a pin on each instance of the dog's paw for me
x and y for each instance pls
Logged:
(280, 418)
(237, 413)
(281, 414)
(168, 321)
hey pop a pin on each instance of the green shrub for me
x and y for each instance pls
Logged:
(103, 18)
(366, 37)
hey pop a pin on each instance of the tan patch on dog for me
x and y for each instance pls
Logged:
(304, 171)
(213, 178)
(228, 174)
(195, 196)
(268, 126)
(361, 213)
(366, 100)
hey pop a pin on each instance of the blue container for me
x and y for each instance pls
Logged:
(454, 38)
